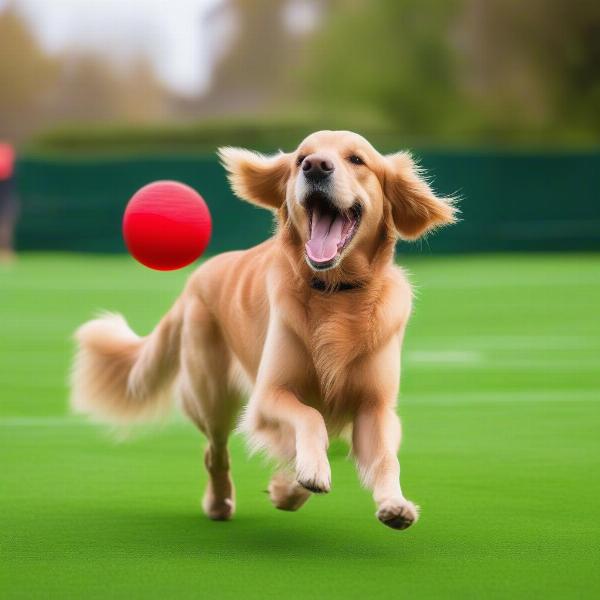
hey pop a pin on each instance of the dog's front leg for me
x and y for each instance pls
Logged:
(291, 430)
(375, 441)
(276, 417)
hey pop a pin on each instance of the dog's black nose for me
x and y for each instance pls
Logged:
(317, 168)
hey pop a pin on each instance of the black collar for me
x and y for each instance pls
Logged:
(344, 286)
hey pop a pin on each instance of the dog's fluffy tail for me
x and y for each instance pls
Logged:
(119, 377)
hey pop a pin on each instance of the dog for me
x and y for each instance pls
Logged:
(307, 326)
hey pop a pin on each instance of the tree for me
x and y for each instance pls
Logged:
(390, 60)
(253, 74)
(462, 70)
(534, 67)
(27, 77)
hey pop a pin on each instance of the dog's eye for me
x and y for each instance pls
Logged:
(300, 159)
(356, 160)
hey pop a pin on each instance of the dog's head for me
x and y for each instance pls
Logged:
(339, 194)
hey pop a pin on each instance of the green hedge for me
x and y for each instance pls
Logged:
(203, 137)
(510, 201)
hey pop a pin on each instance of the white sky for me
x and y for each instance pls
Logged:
(172, 33)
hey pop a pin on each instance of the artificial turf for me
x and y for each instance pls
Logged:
(500, 402)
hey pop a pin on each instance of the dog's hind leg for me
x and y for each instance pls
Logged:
(209, 401)
(285, 492)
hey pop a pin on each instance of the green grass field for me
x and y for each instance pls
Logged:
(501, 408)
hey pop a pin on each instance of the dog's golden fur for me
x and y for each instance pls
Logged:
(251, 324)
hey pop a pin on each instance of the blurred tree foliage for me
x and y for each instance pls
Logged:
(533, 68)
(386, 58)
(431, 71)
(37, 90)
(90, 88)
(478, 72)
(463, 70)
(248, 76)
(26, 76)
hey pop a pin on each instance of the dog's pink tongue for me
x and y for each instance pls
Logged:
(325, 235)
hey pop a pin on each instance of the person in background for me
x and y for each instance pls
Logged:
(8, 201)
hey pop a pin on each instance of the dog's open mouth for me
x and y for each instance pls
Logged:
(330, 230)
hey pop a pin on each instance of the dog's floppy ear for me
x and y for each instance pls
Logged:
(257, 178)
(415, 208)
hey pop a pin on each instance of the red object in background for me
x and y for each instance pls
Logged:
(7, 161)
(166, 225)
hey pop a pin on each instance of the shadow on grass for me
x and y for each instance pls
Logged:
(107, 532)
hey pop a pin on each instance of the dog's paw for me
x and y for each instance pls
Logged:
(398, 514)
(218, 509)
(286, 493)
(315, 486)
(315, 478)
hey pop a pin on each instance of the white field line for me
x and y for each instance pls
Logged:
(538, 341)
(454, 281)
(437, 399)
(69, 421)
(32, 340)
(41, 422)
(83, 286)
(528, 396)
(471, 359)
(468, 357)
(501, 280)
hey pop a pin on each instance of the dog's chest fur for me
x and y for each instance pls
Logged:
(339, 332)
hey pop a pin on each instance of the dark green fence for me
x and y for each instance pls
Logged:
(510, 201)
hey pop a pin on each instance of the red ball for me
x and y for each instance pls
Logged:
(166, 225)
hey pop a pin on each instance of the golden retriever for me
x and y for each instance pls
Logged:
(308, 325)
